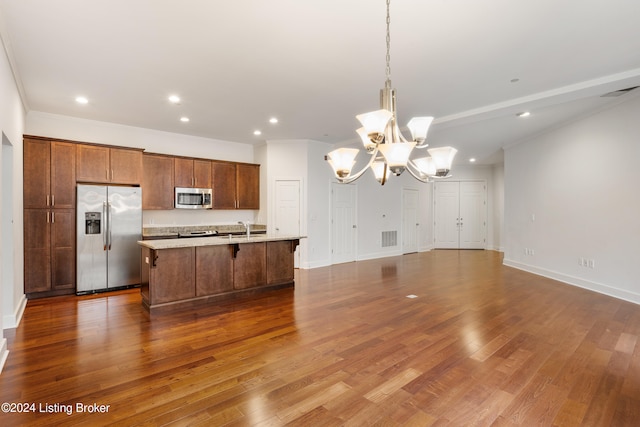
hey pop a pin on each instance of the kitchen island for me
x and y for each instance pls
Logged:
(202, 270)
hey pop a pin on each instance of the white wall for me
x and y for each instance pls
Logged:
(12, 116)
(573, 193)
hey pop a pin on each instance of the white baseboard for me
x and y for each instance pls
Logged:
(4, 352)
(377, 255)
(315, 264)
(576, 281)
(13, 320)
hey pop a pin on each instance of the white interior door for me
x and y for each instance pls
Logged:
(472, 215)
(460, 214)
(409, 220)
(343, 223)
(447, 205)
(287, 211)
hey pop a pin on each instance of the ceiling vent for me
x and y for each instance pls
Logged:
(619, 92)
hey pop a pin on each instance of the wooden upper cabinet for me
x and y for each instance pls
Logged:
(92, 163)
(182, 172)
(37, 173)
(126, 166)
(63, 175)
(248, 186)
(236, 185)
(224, 185)
(192, 173)
(202, 173)
(49, 174)
(108, 165)
(157, 182)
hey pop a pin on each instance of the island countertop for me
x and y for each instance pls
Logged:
(213, 241)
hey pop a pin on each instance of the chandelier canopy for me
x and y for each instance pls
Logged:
(389, 150)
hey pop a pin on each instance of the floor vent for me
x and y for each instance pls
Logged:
(389, 238)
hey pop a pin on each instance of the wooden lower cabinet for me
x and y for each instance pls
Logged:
(49, 252)
(203, 274)
(280, 260)
(250, 266)
(214, 270)
(173, 275)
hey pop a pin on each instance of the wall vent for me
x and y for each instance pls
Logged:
(389, 238)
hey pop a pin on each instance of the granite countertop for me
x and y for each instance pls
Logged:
(174, 231)
(213, 241)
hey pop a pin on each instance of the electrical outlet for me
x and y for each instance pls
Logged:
(591, 263)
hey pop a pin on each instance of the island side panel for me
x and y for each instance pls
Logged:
(172, 275)
(214, 270)
(280, 260)
(250, 266)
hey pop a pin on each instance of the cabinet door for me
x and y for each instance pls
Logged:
(157, 182)
(224, 185)
(183, 172)
(92, 163)
(214, 270)
(63, 175)
(37, 251)
(202, 173)
(173, 275)
(63, 262)
(280, 267)
(248, 186)
(37, 157)
(250, 266)
(126, 166)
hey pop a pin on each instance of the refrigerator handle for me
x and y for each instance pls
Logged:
(109, 222)
(104, 226)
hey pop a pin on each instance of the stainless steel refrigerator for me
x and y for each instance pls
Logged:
(109, 224)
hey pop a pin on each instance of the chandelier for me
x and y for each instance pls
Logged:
(389, 151)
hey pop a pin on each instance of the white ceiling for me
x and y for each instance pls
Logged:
(315, 64)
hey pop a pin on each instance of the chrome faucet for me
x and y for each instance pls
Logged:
(247, 226)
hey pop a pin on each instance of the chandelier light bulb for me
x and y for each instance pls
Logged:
(375, 122)
(419, 126)
(342, 160)
(397, 155)
(442, 158)
(425, 166)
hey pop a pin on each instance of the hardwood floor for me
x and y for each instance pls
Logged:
(481, 344)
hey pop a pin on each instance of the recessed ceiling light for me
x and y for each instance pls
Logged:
(472, 160)
(82, 100)
(523, 114)
(174, 99)
(273, 120)
(184, 119)
(257, 132)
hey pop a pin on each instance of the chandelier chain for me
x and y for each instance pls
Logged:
(388, 58)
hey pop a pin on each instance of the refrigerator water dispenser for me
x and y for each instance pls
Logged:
(92, 222)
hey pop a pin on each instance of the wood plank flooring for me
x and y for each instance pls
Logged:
(481, 344)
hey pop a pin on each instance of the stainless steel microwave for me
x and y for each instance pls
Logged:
(193, 198)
